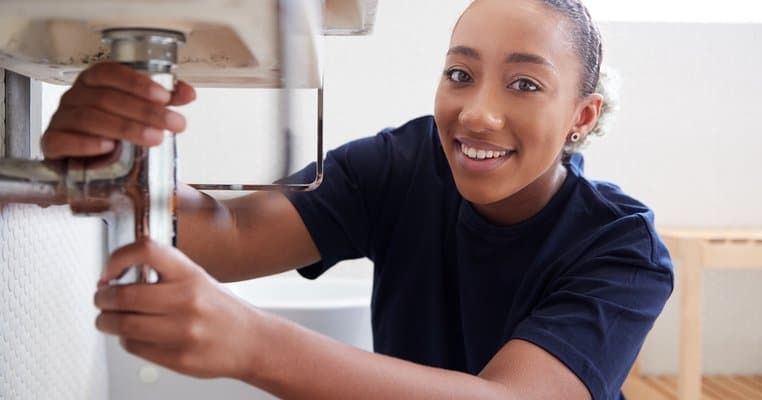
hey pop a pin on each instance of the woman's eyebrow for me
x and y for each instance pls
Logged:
(470, 52)
(528, 58)
(464, 51)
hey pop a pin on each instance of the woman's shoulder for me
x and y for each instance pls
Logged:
(614, 218)
(406, 140)
(409, 150)
(607, 195)
(410, 138)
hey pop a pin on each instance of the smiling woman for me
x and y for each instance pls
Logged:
(483, 211)
(500, 270)
(536, 84)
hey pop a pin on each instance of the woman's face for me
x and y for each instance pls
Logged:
(508, 98)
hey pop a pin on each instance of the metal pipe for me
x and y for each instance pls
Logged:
(135, 188)
(151, 186)
(26, 181)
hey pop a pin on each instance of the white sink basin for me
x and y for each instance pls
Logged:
(229, 43)
(339, 308)
(281, 293)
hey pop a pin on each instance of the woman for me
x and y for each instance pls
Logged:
(500, 271)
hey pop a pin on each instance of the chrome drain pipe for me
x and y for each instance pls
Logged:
(134, 188)
(146, 176)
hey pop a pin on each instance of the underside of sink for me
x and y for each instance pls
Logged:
(228, 43)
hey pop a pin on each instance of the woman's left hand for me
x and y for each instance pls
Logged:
(187, 322)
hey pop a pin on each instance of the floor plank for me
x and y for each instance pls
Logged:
(753, 381)
(721, 391)
(713, 388)
(640, 389)
(743, 391)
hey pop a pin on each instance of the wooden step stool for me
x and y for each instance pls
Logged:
(697, 249)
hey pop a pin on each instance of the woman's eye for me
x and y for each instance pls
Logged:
(524, 85)
(457, 75)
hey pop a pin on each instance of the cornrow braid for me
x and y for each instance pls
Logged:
(586, 40)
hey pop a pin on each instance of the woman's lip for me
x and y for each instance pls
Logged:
(480, 145)
(481, 166)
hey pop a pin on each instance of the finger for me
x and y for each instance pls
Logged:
(96, 122)
(183, 94)
(154, 329)
(168, 262)
(60, 144)
(126, 79)
(159, 299)
(125, 105)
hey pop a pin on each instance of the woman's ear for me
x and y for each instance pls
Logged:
(587, 114)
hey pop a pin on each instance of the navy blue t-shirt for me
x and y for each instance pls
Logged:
(583, 279)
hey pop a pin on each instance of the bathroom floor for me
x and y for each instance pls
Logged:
(718, 387)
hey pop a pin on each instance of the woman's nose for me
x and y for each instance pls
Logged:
(482, 114)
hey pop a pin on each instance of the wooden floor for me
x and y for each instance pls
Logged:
(714, 388)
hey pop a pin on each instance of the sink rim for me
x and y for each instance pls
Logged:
(354, 300)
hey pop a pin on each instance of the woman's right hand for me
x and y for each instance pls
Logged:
(110, 102)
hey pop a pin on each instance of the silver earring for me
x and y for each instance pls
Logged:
(575, 137)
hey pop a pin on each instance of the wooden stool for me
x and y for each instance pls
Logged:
(697, 249)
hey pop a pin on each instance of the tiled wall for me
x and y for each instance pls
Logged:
(49, 264)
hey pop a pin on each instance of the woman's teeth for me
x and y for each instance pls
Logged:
(477, 154)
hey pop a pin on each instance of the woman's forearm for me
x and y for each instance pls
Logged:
(255, 235)
(205, 231)
(294, 363)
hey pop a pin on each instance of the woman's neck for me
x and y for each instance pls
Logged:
(528, 201)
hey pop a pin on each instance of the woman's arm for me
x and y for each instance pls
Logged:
(191, 324)
(255, 235)
(294, 363)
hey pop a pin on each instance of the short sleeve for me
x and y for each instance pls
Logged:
(338, 214)
(597, 313)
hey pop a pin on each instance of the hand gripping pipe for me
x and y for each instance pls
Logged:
(134, 188)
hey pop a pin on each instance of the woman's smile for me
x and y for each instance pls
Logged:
(479, 157)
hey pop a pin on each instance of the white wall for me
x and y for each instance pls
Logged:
(49, 263)
(687, 139)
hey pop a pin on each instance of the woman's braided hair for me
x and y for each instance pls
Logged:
(586, 40)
